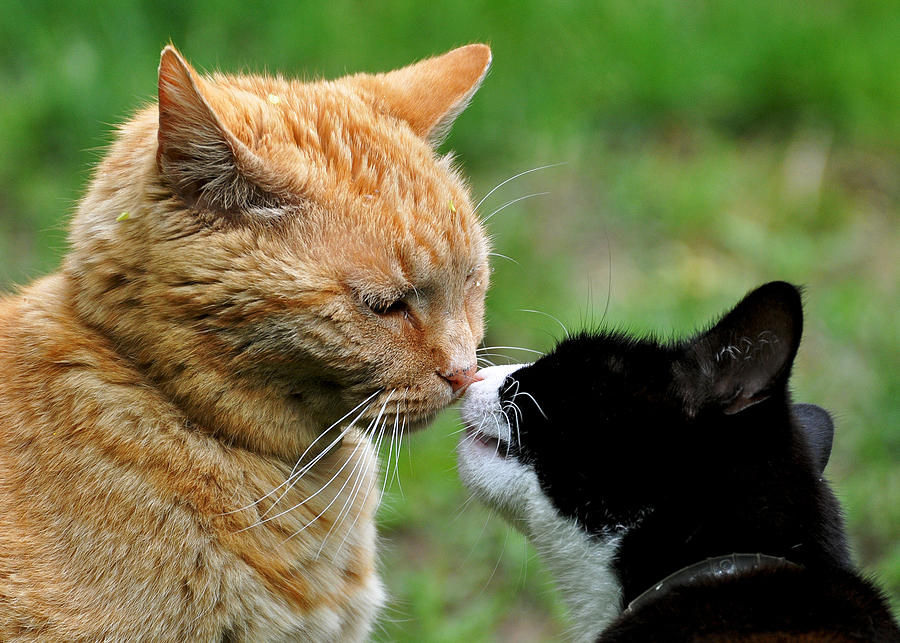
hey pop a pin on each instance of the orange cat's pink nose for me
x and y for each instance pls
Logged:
(461, 378)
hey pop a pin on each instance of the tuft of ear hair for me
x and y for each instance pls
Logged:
(431, 93)
(750, 351)
(203, 162)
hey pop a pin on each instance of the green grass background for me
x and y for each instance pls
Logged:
(706, 147)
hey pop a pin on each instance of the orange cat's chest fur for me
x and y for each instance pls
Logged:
(188, 407)
(103, 471)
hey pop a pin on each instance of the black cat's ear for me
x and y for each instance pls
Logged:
(203, 162)
(818, 427)
(749, 352)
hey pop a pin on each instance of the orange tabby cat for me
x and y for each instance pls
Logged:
(263, 275)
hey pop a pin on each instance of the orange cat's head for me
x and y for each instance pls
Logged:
(272, 253)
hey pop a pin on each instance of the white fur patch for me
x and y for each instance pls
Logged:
(581, 564)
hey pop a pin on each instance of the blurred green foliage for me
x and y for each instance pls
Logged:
(706, 147)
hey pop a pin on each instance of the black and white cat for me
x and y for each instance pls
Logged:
(671, 488)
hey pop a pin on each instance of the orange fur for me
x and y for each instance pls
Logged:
(254, 259)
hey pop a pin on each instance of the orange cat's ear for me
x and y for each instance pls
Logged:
(430, 94)
(205, 164)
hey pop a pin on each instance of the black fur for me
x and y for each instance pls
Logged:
(693, 450)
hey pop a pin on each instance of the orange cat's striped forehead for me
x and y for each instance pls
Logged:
(352, 147)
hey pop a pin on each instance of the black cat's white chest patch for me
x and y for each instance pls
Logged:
(490, 467)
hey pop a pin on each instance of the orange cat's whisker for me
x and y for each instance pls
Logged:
(388, 473)
(366, 436)
(512, 178)
(324, 451)
(357, 485)
(378, 442)
(500, 256)
(293, 478)
(363, 471)
(394, 435)
(509, 203)
(399, 427)
(320, 490)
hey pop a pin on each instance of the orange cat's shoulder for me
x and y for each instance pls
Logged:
(98, 468)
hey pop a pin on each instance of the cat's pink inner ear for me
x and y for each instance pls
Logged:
(430, 94)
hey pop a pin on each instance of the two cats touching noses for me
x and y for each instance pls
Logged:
(267, 277)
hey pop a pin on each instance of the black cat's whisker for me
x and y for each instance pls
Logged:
(540, 312)
(518, 418)
(523, 568)
(514, 384)
(511, 348)
(508, 441)
(515, 407)
(513, 202)
(482, 355)
(497, 448)
(512, 403)
(473, 437)
(513, 422)
(608, 279)
(531, 397)
(497, 564)
(462, 508)
(478, 538)
(512, 178)
(465, 506)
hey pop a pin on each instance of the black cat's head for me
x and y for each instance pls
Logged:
(610, 436)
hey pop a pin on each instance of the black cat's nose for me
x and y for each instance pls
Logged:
(461, 378)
